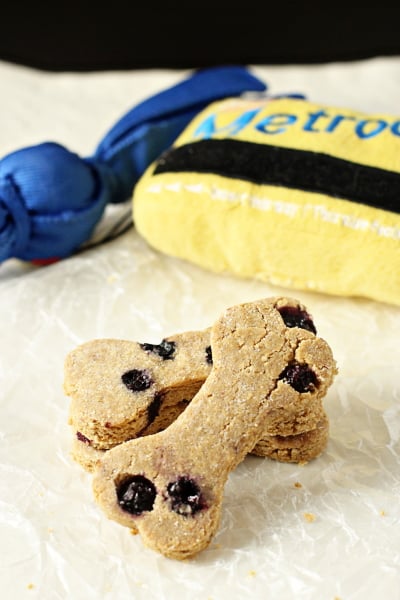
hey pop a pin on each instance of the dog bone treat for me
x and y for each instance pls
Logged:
(105, 412)
(169, 486)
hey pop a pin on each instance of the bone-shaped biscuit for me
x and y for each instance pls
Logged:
(169, 486)
(105, 411)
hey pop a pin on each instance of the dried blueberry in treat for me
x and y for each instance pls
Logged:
(82, 438)
(300, 376)
(209, 355)
(185, 496)
(136, 494)
(165, 350)
(137, 380)
(153, 410)
(295, 316)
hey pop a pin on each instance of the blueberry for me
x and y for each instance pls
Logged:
(137, 380)
(83, 438)
(300, 377)
(154, 407)
(136, 494)
(297, 317)
(209, 358)
(185, 496)
(165, 350)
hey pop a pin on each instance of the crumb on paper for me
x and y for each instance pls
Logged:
(30, 586)
(217, 546)
(382, 513)
(112, 278)
(309, 517)
(297, 484)
(133, 531)
(252, 573)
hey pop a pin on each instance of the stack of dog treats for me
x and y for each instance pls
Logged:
(161, 426)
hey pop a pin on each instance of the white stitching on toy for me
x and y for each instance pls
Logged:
(289, 209)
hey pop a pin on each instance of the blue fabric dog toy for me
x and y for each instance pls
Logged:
(51, 199)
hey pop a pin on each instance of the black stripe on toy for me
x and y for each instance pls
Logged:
(287, 167)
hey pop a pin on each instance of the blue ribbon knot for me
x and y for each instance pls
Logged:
(51, 199)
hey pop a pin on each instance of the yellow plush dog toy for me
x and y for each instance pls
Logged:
(286, 191)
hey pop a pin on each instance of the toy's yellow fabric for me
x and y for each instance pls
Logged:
(283, 190)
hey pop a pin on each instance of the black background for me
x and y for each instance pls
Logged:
(131, 35)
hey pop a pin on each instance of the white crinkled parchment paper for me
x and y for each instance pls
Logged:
(326, 530)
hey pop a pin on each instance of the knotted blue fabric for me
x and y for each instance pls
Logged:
(51, 199)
